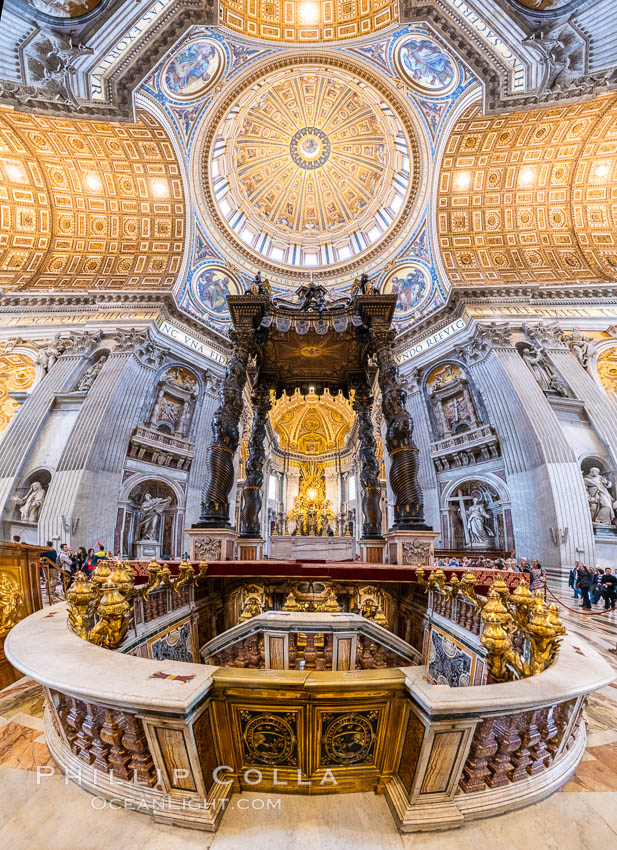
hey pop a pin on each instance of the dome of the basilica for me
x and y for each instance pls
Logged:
(310, 165)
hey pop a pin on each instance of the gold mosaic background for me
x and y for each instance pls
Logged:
(312, 424)
(88, 205)
(17, 373)
(307, 20)
(531, 196)
(607, 369)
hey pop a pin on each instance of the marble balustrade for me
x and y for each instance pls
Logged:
(152, 733)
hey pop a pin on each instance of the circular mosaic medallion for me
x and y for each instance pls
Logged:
(348, 739)
(193, 70)
(210, 287)
(412, 283)
(309, 148)
(270, 739)
(425, 66)
(546, 5)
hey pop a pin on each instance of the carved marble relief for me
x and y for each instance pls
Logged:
(85, 383)
(451, 400)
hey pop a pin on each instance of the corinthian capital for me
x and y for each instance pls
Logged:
(499, 334)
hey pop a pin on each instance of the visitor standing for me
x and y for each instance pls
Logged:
(609, 589)
(584, 582)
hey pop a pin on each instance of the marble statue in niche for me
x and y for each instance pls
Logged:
(478, 523)
(544, 373)
(151, 509)
(30, 505)
(476, 517)
(602, 503)
(91, 375)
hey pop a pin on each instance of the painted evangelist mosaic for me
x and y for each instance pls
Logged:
(412, 283)
(193, 70)
(210, 287)
(449, 662)
(425, 66)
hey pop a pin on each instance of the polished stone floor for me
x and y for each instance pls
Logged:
(55, 815)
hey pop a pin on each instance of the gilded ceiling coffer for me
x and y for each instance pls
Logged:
(251, 494)
(225, 435)
(408, 498)
(369, 472)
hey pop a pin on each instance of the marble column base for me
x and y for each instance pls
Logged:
(212, 544)
(145, 550)
(412, 548)
(372, 551)
(250, 548)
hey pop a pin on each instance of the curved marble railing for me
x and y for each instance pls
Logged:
(177, 739)
(282, 640)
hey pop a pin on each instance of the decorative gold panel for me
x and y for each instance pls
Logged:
(88, 205)
(312, 424)
(17, 373)
(531, 196)
(307, 21)
(607, 369)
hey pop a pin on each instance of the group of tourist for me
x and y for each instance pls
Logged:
(69, 560)
(592, 585)
(535, 571)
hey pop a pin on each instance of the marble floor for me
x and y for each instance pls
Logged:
(56, 815)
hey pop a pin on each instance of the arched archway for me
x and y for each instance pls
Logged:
(151, 527)
(476, 514)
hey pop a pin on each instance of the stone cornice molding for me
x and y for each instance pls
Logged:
(66, 89)
(461, 298)
(555, 55)
(60, 302)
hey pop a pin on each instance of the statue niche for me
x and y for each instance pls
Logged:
(150, 522)
(31, 495)
(542, 369)
(600, 488)
(174, 402)
(91, 374)
(451, 400)
(475, 517)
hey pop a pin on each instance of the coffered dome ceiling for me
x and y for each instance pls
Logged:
(311, 169)
(312, 424)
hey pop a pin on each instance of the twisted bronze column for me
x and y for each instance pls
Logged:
(408, 499)
(369, 473)
(251, 494)
(225, 436)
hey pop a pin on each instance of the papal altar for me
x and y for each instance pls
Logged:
(292, 548)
